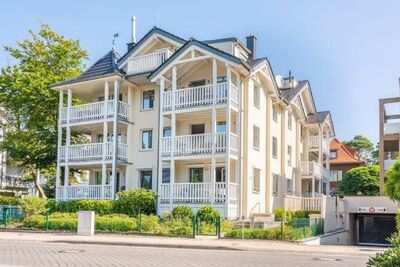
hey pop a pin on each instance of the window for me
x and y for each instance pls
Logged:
(290, 121)
(336, 175)
(148, 99)
(166, 176)
(167, 132)
(196, 175)
(274, 114)
(275, 184)
(256, 97)
(197, 129)
(333, 154)
(289, 185)
(289, 154)
(256, 137)
(256, 180)
(221, 127)
(147, 139)
(146, 178)
(274, 147)
(220, 174)
(110, 138)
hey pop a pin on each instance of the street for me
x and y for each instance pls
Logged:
(28, 253)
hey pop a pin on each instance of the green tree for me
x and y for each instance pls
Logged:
(361, 180)
(31, 105)
(392, 183)
(362, 145)
(136, 201)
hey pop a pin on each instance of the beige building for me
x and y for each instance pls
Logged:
(198, 122)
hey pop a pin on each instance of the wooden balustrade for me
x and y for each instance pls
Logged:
(72, 192)
(147, 62)
(91, 152)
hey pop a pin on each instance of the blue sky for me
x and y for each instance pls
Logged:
(349, 50)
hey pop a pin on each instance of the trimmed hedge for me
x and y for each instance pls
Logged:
(100, 207)
(289, 233)
(4, 200)
(293, 214)
(182, 212)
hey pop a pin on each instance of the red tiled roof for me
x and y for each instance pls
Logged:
(345, 155)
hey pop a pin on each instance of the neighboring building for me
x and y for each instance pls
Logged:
(389, 135)
(342, 159)
(199, 122)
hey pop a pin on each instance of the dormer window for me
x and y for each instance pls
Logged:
(333, 154)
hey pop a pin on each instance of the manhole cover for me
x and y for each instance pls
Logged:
(71, 251)
(326, 259)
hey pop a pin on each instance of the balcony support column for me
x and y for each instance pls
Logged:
(59, 141)
(67, 142)
(105, 140)
(173, 133)
(160, 136)
(321, 156)
(115, 139)
(213, 129)
(228, 136)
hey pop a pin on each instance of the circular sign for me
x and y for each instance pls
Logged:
(371, 209)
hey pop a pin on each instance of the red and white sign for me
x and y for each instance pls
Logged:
(372, 209)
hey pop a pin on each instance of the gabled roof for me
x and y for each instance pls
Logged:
(105, 66)
(202, 46)
(320, 117)
(345, 155)
(253, 63)
(289, 94)
(228, 39)
(155, 30)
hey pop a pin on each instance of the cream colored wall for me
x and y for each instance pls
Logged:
(290, 140)
(225, 46)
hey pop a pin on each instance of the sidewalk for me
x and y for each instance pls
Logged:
(170, 242)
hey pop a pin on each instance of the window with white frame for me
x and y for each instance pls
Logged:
(333, 154)
(274, 147)
(256, 96)
(256, 137)
(275, 184)
(221, 127)
(148, 99)
(167, 132)
(289, 155)
(146, 179)
(147, 139)
(290, 121)
(256, 180)
(336, 175)
(274, 114)
(289, 185)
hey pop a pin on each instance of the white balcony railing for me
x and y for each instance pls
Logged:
(147, 62)
(84, 192)
(93, 112)
(302, 203)
(199, 96)
(91, 152)
(197, 144)
(197, 192)
(310, 169)
(313, 143)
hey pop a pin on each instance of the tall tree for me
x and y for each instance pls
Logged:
(361, 180)
(25, 94)
(392, 183)
(362, 145)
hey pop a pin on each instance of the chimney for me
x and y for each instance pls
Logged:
(251, 42)
(133, 34)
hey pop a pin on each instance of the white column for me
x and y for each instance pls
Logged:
(115, 139)
(59, 141)
(160, 136)
(129, 140)
(321, 157)
(173, 132)
(239, 134)
(228, 131)
(213, 128)
(67, 142)
(105, 140)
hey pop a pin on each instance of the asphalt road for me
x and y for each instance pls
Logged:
(28, 253)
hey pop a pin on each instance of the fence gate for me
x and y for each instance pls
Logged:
(375, 229)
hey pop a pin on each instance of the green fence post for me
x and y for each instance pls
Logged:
(46, 226)
(282, 229)
(197, 225)
(218, 227)
(6, 218)
(140, 223)
(194, 226)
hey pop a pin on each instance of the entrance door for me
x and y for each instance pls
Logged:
(375, 229)
(220, 174)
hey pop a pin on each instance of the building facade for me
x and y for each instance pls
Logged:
(198, 122)
(342, 159)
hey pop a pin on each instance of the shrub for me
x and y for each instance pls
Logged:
(288, 234)
(149, 223)
(182, 212)
(279, 212)
(115, 223)
(33, 205)
(4, 200)
(207, 213)
(176, 228)
(136, 201)
(390, 257)
(100, 207)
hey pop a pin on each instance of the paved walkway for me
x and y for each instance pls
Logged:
(203, 243)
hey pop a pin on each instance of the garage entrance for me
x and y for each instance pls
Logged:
(375, 229)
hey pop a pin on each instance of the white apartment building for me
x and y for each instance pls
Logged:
(198, 122)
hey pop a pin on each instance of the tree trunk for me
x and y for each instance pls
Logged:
(36, 181)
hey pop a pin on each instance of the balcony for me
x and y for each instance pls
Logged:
(149, 62)
(310, 169)
(197, 193)
(93, 112)
(198, 145)
(87, 153)
(314, 143)
(72, 192)
(391, 128)
(387, 163)
(199, 97)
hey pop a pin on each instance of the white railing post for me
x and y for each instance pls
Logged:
(115, 139)
(59, 142)
(105, 139)
(173, 139)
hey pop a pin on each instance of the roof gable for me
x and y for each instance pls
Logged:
(345, 155)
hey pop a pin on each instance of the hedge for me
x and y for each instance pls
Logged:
(4, 200)
(288, 234)
(293, 214)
